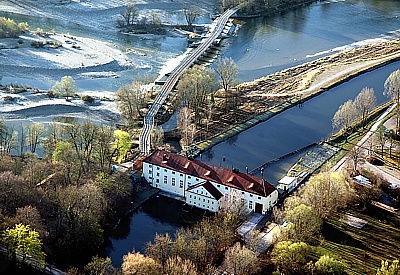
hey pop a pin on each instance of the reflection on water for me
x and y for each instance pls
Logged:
(158, 215)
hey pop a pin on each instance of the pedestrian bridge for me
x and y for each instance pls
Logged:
(216, 30)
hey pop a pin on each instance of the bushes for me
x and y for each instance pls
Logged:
(8, 28)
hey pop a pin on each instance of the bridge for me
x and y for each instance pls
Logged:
(217, 28)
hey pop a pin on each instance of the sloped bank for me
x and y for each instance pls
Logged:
(331, 74)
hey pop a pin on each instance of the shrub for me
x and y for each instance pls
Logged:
(8, 28)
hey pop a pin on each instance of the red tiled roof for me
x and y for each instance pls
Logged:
(221, 175)
(209, 187)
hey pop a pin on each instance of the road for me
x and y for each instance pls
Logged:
(217, 28)
(385, 172)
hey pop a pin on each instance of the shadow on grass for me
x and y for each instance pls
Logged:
(335, 235)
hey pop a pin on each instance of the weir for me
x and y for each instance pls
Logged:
(268, 163)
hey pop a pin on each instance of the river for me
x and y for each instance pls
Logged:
(263, 46)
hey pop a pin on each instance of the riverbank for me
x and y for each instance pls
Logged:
(263, 98)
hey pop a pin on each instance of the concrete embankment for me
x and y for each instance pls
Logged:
(330, 74)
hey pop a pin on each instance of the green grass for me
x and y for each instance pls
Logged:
(362, 250)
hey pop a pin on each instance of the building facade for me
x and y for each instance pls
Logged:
(205, 185)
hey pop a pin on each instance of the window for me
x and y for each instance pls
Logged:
(150, 178)
(180, 183)
(190, 196)
(204, 200)
(218, 185)
(181, 175)
(226, 188)
(150, 171)
(194, 197)
(250, 204)
(242, 200)
(158, 168)
(259, 198)
(158, 174)
(165, 179)
(157, 180)
(173, 173)
(208, 201)
(189, 177)
(165, 170)
(150, 165)
(243, 192)
(202, 192)
(173, 181)
(251, 195)
(197, 179)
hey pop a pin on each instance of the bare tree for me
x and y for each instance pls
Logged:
(365, 102)
(356, 155)
(194, 86)
(241, 261)
(326, 192)
(103, 147)
(227, 71)
(156, 136)
(392, 90)
(130, 100)
(130, 13)
(192, 13)
(177, 266)
(137, 264)
(35, 136)
(345, 116)
(186, 127)
(8, 139)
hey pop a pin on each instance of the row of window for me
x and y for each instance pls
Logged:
(204, 200)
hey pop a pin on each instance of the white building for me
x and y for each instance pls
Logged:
(287, 184)
(203, 185)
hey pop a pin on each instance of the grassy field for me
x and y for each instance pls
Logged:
(362, 250)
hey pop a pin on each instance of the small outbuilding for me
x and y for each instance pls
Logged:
(287, 184)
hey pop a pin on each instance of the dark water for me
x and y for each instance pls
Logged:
(157, 215)
(294, 128)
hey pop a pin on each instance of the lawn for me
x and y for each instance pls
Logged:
(362, 250)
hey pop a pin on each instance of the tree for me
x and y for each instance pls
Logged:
(186, 127)
(103, 147)
(329, 266)
(35, 135)
(130, 13)
(191, 13)
(137, 264)
(23, 242)
(66, 87)
(304, 224)
(234, 205)
(160, 250)
(227, 71)
(344, 116)
(8, 138)
(156, 137)
(291, 258)
(392, 90)
(177, 266)
(100, 266)
(9, 28)
(194, 86)
(380, 137)
(29, 215)
(241, 261)
(130, 100)
(122, 144)
(55, 134)
(65, 157)
(356, 155)
(365, 102)
(387, 269)
(327, 193)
